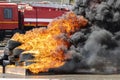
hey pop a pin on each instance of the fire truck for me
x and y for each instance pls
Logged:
(21, 17)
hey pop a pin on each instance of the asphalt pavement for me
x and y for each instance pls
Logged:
(63, 77)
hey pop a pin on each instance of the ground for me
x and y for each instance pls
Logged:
(64, 77)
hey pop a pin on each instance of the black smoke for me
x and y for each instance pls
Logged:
(96, 48)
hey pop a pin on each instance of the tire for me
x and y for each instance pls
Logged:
(17, 52)
(24, 57)
(13, 44)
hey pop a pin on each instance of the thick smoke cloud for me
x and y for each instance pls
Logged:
(98, 45)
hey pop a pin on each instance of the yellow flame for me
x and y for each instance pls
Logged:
(47, 45)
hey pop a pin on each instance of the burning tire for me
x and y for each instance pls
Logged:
(25, 57)
(17, 52)
(12, 44)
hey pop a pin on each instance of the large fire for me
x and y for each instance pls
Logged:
(48, 45)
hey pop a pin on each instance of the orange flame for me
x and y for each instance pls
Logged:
(48, 45)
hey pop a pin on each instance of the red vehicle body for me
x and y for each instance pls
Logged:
(8, 16)
(23, 16)
(41, 16)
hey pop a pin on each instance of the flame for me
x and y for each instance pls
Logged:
(48, 45)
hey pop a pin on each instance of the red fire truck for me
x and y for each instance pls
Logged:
(22, 17)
